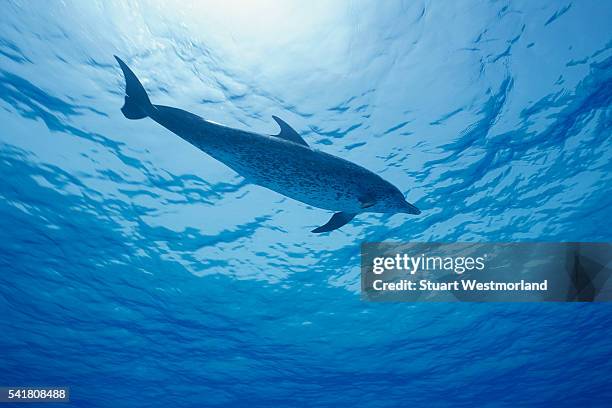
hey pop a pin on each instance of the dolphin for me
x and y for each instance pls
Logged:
(283, 163)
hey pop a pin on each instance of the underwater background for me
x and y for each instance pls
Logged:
(140, 272)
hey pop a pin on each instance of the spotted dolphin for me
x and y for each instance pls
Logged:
(284, 163)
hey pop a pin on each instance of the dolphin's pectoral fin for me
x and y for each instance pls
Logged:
(287, 132)
(337, 220)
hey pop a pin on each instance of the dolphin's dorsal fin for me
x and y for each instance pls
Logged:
(287, 132)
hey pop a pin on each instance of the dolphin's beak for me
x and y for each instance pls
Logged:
(411, 209)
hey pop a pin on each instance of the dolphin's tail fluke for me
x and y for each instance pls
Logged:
(137, 104)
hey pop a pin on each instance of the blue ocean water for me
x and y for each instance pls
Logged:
(142, 273)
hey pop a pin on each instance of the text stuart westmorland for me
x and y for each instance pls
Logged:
(466, 285)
